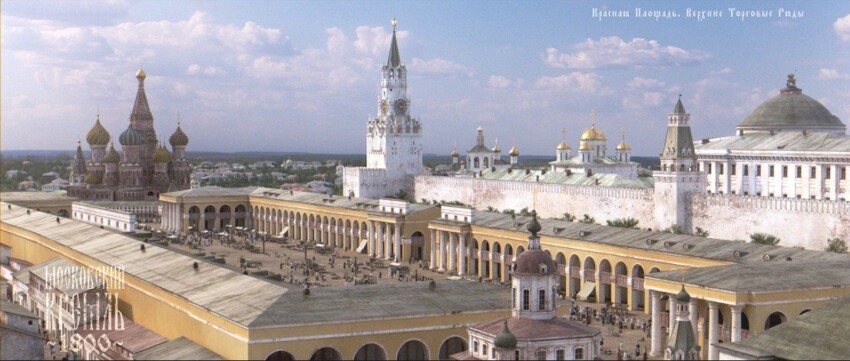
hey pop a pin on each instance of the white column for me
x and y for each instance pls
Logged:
(462, 251)
(452, 252)
(443, 249)
(736, 322)
(693, 310)
(371, 238)
(751, 173)
(713, 353)
(397, 249)
(378, 251)
(727, 178)
(655, 300)
(833, 180)
(388, 245)
(433, 264)
(671, 304)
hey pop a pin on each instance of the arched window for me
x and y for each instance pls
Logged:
(513, 298)
(541, 300)
(560, 354)
(476, 162)
(526, 294)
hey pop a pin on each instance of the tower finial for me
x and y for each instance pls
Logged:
(593, 115)
(394, 21)
(624, 133)
(564, 134)
(178, 118)
(98, 112)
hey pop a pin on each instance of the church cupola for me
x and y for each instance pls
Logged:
(682, 344)
(624, 150)
(78, 168)
(97, 136)
(534, 279)
(562, 151)
(455, 156)
(514, 154)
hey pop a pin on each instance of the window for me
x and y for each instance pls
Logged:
(733, 170)
(784, 171)
(560, 355)
(516, 355)
(513, 298)
(541, 355)
(770, 171)
(758, 170)
(827, 173)
(708, 168)
(541, 300)
(799, 172)
(484, 349)
(813, 172)
(579, 353)
(720, 169)
(842, 173)
(526, 294)
(475, 346)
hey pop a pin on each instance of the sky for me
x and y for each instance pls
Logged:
(304, 76)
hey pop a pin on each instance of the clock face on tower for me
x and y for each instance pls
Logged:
(384, 106)
(401, 106)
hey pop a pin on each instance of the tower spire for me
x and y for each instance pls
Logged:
(394, 60)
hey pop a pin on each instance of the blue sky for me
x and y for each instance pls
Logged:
(303, 76)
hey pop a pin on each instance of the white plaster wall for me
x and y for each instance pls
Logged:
(797, 222)
(550, 200)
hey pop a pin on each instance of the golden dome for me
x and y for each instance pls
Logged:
(563, 146)
(98, 134)
(584, 145)
(514, 152)
(92, 179)
(496, 149)
(623, 146)
(161, 155)
(112, 156)
(455, 153)
(593, 134)
(141, 74)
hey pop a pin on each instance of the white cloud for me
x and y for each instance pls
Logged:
(572, 82)
(842, 27)
(613, 51)
(724, 71)
(829, 74)
(639, 82)
(435, 66)
(498, 81)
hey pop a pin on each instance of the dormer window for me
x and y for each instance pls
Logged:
(543, 268)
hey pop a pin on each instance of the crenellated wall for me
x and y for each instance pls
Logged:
(805, 223)
(551, 200)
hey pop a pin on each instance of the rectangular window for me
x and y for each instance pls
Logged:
(720, 169)
(560, 355)
(843, 174)
(827, 173)
(579, 353)
(541, 355)
(770, 171)
(733, 169)
(708, 168)
(799, 172)
(813, 172)
(513, 298)
(784, 171)
(541, 300)
(484, 349)
(758, 170)
(746, 169)
(526, 294)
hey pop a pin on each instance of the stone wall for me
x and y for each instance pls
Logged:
(797, 222)
(550, 200)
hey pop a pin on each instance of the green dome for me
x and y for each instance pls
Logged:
(683, 295)
(791, 110)
(505, 339)
(131, 137)
(98, 134)
(161, 155)
(112, 156)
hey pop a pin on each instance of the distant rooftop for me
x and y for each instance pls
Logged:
(784, 141)
(576, 178)
(13, 197)
(663, 242)
(757, 278)
(180, 348)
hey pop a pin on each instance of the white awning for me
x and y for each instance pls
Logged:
(283, 232)
(362, 245)
(586, 290)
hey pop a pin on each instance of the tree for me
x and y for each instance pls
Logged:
(701, 232)
(568, 217)
(836, 245)
(623, 222)
(764, 238)
(588, 219)
(509, 211)
(674, 228)
(524, 212)
(492, 209)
